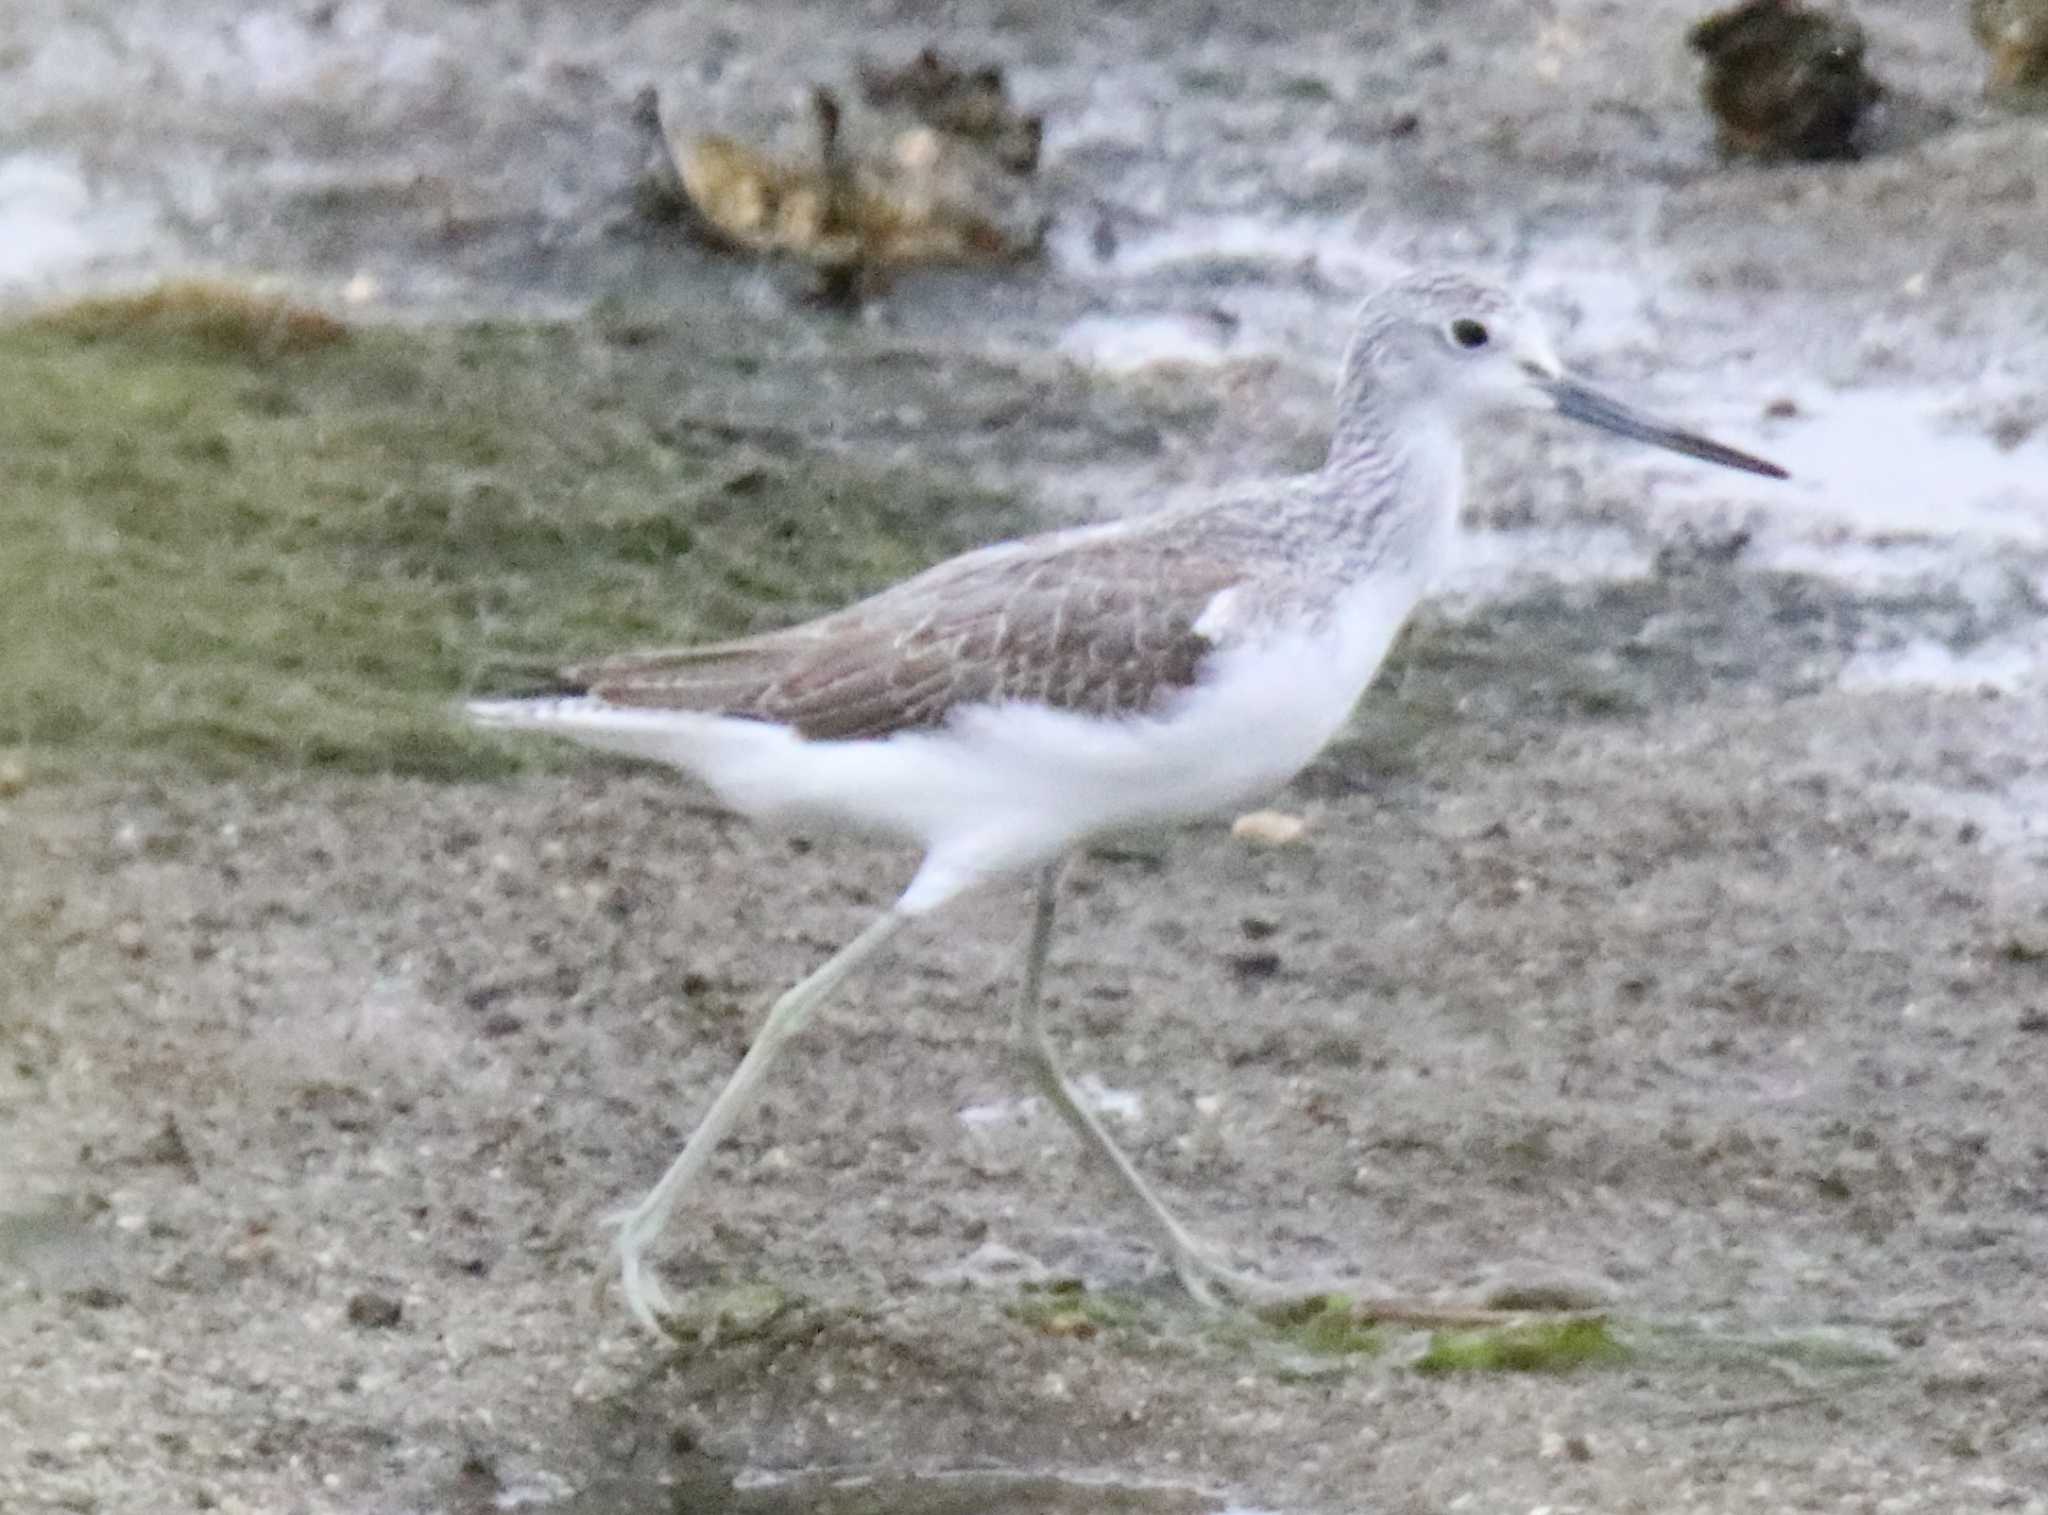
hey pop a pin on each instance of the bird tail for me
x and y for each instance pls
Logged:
(662, 735)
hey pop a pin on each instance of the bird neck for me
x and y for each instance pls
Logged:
(1395, 478)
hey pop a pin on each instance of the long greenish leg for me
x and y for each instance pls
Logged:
(1208, 1281)
(644, 1223)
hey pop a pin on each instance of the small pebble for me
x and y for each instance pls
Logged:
(1254, 965)
(96, 1297)
(1269, 828)
(2007, 432)
(168, 1147)
(13, 777)
(374, 1312)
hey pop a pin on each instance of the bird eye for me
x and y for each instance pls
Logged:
(1469, 334)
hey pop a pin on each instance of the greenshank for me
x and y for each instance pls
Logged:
(1013, 702)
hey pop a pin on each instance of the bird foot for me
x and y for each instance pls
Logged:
(638, 1281)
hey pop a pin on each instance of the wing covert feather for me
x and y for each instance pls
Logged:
(1097, 627)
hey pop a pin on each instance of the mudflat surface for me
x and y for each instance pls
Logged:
(1658, 931)
(1690, 1008)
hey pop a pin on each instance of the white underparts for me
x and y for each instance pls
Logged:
(1003, 788)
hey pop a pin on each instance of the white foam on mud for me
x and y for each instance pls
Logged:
(1126, 344)
(1900, 462)
(2007, 666)
(1333, 248)
(996, 1112)
(1125, 1105)
(58, 224)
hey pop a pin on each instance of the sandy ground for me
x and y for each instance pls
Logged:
(1628, 947)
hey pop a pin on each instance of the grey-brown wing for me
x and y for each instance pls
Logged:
(1105, 629)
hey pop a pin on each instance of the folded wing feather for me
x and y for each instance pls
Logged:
(1090, 623)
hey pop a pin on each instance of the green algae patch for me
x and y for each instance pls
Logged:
(743, 1313)
(242, 536)
(1324, 1325)
(1538, 1346)
(1068, 1308)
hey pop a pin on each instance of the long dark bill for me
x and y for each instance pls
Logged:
(1584, 403)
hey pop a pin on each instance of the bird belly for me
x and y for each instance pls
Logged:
(1009, 786)
(1004, 787)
